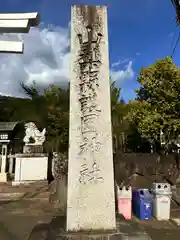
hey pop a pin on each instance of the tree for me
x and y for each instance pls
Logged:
(136, 141)
(57, 101)
(118, 113)
(37, 107)
(51, 110)
(115, 95)
(158, 102)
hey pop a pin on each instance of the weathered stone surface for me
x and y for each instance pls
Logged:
(33, 149)
(59, 165)
(58, 193)
(124, 230)
(91, 201)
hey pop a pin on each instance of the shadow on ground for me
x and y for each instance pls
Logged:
(48, 231)
(57, 225)
(5, 234)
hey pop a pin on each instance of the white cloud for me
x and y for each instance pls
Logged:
(45, 60)
(116, 64)
(119, 76)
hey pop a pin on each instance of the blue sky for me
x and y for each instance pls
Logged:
(140, 31)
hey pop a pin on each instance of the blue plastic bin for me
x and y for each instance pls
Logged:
(142, 204)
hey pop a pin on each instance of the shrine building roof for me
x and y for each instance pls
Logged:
(7, 126)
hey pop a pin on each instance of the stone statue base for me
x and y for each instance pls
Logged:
(30, 148)
(31, 167)
(3, 177)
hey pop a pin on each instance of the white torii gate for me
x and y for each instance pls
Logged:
(14, 23)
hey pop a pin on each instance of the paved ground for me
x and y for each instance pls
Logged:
(19, 218)
(158, 230)
(165, 230)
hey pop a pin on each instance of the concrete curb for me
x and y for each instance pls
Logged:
(175, 221)
(11, 196)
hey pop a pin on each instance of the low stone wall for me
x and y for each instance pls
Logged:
(61, 191)
(146, 164)
(141, 169)
(58, 192)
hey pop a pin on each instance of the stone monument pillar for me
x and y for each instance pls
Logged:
(91, 200)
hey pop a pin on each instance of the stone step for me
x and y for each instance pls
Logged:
(39, 195)
(10, 196)
(8, 187)
(20, 195)
(34, 191)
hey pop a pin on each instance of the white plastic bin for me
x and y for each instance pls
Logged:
(161, 200)
(124, 195)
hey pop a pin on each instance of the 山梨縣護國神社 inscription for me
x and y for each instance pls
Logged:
(89, 63)
(91, 203)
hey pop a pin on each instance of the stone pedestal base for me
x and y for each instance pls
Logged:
(91, 236)
(55, 230)
(30, 148)
(104, 235)
(3, 177)
(30, 167)
(124, 230)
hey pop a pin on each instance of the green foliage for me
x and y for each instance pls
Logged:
(49, 110)
(31, 91)
(115, 94)
(118, 112)
(158, 101)
(130, 122)
(57, 102)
